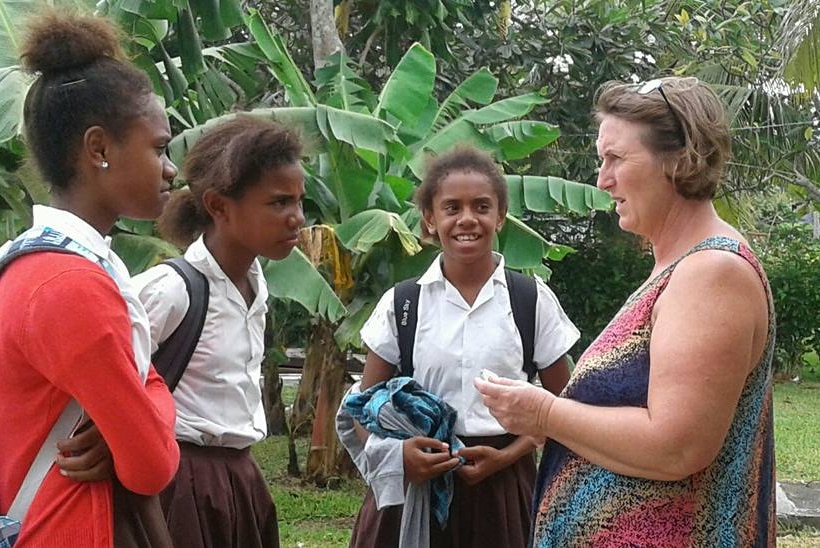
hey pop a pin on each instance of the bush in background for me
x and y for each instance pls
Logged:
(791, 256)
(593, 283)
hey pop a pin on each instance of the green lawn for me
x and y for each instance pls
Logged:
(310, 517)
(797, 430)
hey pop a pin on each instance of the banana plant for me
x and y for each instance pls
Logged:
(368, 152)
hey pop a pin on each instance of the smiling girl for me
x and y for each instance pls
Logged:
(244, 199)
(465, 325)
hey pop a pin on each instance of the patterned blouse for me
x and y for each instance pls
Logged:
(729, 503)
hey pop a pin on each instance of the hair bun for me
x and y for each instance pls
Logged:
(57, 42)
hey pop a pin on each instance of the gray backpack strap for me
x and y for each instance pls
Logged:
(44, 460)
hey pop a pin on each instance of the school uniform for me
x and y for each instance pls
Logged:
(72, 330)
(219, 496)
(454, 342)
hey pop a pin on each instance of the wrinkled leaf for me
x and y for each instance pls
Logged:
(296, 279)
(14, 84)
(140, 252)
(408, 90)
(364, 230)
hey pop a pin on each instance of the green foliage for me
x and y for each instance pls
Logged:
(369, 153)
(593, 283)
(799, 42)
(791, 257)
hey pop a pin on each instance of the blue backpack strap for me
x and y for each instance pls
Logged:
(44, 238)
(34, 240)
(523, 301)
(173, 355)
(406, 308)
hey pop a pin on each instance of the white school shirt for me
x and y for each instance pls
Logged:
(455, 341)
(219, 397)
(86, 235)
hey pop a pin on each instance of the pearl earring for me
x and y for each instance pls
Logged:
(104, 164)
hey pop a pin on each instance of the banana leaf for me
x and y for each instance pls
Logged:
(408, 90)
(519, 139)
(545, 194)
(140, 252)
(14, 84)
(296, 279)
(367, 229)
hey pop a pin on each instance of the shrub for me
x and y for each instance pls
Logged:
(594, 283)
(791, 257)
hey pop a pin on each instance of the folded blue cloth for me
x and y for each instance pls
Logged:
(428, 415)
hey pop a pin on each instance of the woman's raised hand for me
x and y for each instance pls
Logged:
(519, 407)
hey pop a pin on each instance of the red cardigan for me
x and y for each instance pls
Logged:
(65, 332)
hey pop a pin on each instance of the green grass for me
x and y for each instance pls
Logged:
(309, 516)
(790, 537)
(312, 517)
(811, 367)
(797, 430)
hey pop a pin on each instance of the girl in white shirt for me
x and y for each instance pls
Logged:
(244, 199)
(465, 324)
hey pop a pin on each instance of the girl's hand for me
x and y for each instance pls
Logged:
(482, 462)
(421, 465)
(519, 407)
(85, 456)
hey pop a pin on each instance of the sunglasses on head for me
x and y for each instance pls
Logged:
(657, 85)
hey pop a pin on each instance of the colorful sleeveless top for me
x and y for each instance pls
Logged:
(730, 503)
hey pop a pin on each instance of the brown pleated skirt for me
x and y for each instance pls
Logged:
(496, 512)
(138, 520)
(219, 499)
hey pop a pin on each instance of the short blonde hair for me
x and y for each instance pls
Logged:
(690, 134)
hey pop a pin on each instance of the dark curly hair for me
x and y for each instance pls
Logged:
(462, 158)
(83, 80)
(229, 158)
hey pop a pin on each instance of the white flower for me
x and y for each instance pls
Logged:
(651, 40)
(635, 78)
(650, 59)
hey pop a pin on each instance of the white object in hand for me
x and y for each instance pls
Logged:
(488, 375)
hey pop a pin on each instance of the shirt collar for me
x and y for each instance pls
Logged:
(72, 226)
(198, 254)
(435, 274)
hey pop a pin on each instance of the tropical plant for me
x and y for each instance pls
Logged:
(799, 44)
(790, 253)
(369, 153)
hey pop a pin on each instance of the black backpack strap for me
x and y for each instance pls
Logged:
(406, 307)
(523, 301)
(173, 355)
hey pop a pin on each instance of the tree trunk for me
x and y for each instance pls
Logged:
(326, 457)
(272, 399)
(301, 416)
(272, 389)
(323, 372)
(324, 36)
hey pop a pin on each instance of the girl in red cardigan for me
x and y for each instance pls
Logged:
(72, 329)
